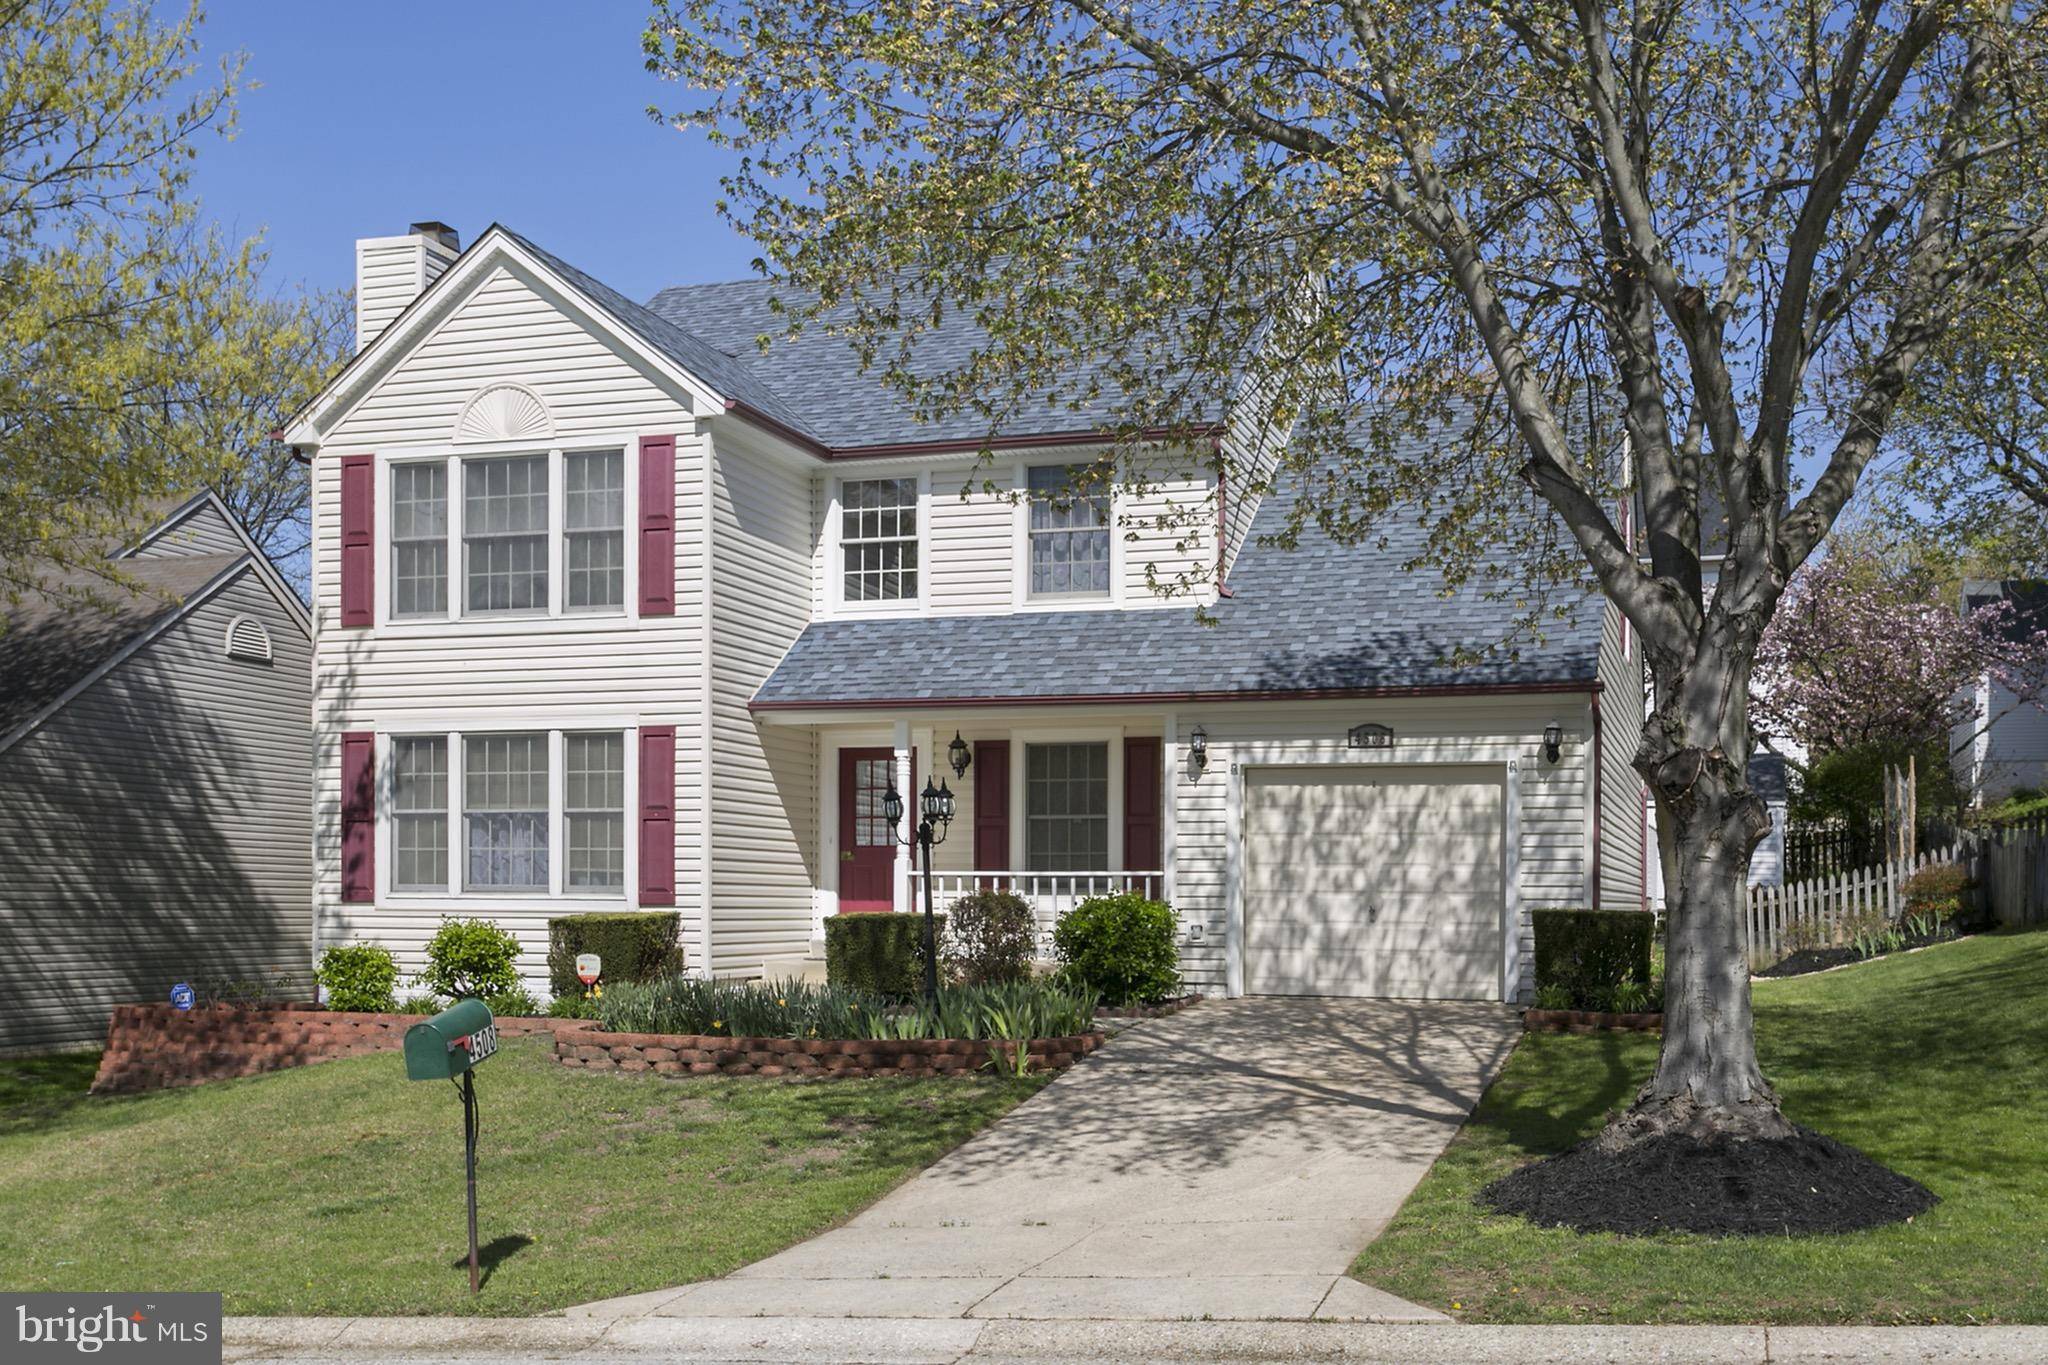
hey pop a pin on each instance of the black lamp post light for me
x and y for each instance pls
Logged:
(936, 805)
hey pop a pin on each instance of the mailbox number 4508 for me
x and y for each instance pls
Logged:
(483, 1042)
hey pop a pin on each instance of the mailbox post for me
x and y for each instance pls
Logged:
(450, 1046)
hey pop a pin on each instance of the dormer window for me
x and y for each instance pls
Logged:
(878, 539)
(1068, 532)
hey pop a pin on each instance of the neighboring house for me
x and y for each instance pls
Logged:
(155, 774)
(2004, 749)
(614, 609)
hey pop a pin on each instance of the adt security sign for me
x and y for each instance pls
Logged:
(183, 997)
(588, 966)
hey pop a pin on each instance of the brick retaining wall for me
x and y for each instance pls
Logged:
(673, 1054)
(153, 1046)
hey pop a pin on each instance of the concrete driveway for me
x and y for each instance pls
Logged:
(1227, 1162)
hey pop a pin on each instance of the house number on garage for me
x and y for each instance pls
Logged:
(1370, 736)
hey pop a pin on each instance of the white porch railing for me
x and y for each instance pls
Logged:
(1049, 894)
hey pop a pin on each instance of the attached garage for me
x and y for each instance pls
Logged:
(1374, 881)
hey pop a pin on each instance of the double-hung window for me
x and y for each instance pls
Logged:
(419, 539)
(1068, 534)
(878, 540)
(487, 813)
(419, 812)
(1066, 807)
(505, 534)
(594, 530)
(533, 534)
(594, 801)
(505, 812)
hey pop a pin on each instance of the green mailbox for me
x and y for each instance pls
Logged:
(451, 1043)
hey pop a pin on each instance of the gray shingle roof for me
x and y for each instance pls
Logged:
(1320, 617)
(818, 373)
(50, 641)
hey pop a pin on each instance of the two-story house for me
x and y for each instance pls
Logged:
(615, 609)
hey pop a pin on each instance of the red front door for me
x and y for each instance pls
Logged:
(867, 842)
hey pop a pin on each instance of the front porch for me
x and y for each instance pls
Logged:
(1054, 807)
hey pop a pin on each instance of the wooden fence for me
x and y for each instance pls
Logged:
(2014, 871)
(2009, 864)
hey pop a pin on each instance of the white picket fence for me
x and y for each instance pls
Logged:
(1828, 903)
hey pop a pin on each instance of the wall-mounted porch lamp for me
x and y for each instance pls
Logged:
(1553, 741)
(1198, 748)
(957, 753)
(938, 806)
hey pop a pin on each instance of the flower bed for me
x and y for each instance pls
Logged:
(1158, 1009)
(153, 1046)
(1591, 1021)
(697, 1054)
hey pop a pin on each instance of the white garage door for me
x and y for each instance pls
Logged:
(1373, 881)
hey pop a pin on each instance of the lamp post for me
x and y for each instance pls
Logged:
(936, 804)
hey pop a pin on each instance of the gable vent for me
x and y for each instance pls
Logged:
(247, 639)
(504, 412)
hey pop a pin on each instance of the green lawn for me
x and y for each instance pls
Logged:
(338, 1188)
(1934, 1062)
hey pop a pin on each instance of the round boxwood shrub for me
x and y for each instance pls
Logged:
(1121, 947)
(991, 937)
(359, 976)
(471, 957)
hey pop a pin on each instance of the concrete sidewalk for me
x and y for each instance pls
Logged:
(927, 1341)
(1227, 1162)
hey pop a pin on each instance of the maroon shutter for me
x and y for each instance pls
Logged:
(358, 539)
(991, 805)
(358, 816)
(657, 815)
(657, 526)
(1141, 807)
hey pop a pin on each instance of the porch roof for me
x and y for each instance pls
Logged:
(1319, 618)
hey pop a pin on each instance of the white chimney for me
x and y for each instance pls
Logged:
(393, 271)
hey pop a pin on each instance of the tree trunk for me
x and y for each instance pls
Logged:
(1707, 1079)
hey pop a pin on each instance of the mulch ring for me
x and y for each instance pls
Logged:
(1809, 960)
(1805, 1183)
(1158, 1009)
(1591, 1021)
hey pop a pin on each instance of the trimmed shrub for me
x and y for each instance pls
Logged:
(1940, 893)
(1591, 953)
(990, 937)
(636, 945)
(359, 976)
(471, 957)
(1121, 947)
(882, 954)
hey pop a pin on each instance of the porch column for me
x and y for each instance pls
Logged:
(1169, 802)
(899, 896)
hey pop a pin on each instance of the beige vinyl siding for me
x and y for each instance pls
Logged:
(764, 780)
(973, 550)
(155, 829)
(535, 675)
(200, 531)
(1621, 787)
(1168, 532)
(1550, 798)
(1251, 448)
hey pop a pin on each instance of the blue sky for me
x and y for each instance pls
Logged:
(374, 114)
